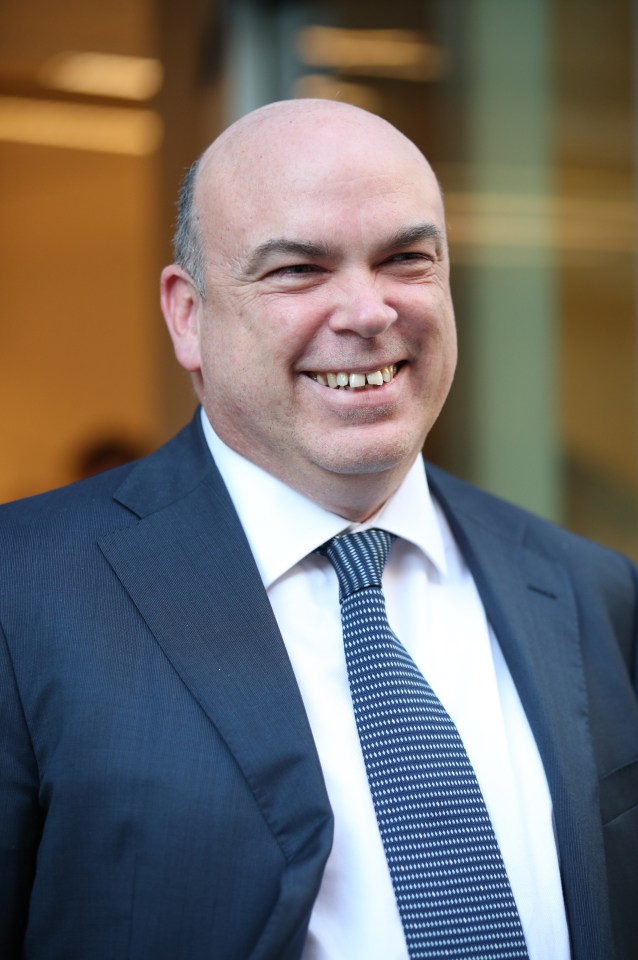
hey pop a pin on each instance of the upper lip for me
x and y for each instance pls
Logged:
(354, 368)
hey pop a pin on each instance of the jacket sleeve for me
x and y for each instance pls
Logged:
(634, 652)
(19, 811)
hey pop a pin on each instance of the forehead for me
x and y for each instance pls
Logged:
(288, 179)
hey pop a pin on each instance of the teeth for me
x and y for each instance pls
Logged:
(355, 381)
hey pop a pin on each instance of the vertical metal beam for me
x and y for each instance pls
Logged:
(512, 342)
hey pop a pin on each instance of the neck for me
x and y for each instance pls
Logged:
(355, 497)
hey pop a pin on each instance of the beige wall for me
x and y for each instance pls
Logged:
(85, 227)
(79, 319)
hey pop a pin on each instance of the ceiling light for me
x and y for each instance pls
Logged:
(103, 75)
(401, 53)
(76, 126)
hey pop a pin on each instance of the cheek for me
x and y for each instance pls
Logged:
(243, 374)
(441, 324)
(227, 349)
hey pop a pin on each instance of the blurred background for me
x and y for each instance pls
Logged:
(527, 110)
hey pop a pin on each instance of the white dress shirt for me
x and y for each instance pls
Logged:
(434, 608)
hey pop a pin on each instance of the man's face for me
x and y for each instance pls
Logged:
(325, 262)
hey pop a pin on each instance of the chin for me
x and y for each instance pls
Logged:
(357, 461)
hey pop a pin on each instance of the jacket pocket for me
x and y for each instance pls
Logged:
(619, 792)
(619, 806)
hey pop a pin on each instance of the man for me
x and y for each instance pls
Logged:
(182, 774)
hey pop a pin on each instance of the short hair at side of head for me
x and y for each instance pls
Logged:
(187, 244)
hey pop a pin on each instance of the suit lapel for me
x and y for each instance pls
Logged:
(188, 568)
(530, 603)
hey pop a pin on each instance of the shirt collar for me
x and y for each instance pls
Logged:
(283, 526)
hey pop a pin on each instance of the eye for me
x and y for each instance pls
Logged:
(294, 275)
(410, 256)
(295, 270)
(410, 264)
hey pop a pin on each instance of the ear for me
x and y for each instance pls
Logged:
(181, 306)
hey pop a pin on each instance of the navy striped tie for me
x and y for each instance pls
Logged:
(450, 883)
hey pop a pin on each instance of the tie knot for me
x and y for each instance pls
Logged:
(358, 558)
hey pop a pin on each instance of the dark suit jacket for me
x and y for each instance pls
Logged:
(160, 792)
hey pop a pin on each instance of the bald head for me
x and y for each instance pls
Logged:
(253, 150)
(267, 134)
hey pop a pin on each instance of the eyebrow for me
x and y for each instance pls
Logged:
(295, 248)
(416, 233)
(310, 249)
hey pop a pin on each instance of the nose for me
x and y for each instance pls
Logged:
(362, 309)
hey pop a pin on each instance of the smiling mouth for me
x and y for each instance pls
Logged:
(342, 380)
